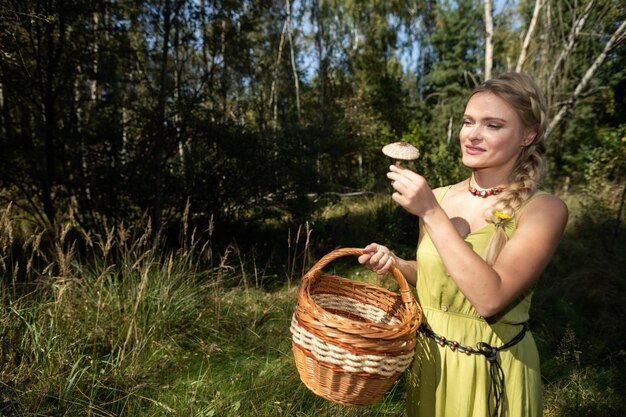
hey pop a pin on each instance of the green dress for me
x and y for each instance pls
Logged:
(446, 382)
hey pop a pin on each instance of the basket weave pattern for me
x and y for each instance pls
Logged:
(352, 340)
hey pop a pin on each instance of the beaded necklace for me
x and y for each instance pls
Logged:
(484, 193)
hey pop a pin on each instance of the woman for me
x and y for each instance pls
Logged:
(483, 243)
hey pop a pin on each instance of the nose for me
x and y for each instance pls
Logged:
(472, 132)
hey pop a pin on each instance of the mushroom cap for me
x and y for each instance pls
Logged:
(401, 150)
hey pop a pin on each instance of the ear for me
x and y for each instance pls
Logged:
(529, 137)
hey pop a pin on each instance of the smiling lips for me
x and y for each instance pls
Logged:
(473, 150)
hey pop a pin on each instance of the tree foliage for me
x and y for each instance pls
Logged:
(111, 110)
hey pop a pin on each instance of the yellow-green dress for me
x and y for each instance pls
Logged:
(446, 382)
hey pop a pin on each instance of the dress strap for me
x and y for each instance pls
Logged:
(531, 198)
(442, 193)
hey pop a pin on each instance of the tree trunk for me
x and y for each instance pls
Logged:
(224, 82)
(488, 39)
(320, 36)
(274, 87)
(4, 119)
(618, 36)
(571, 42)
(178, 93)
(160, 117)
(205, 38)
(293, 59)
(529, 35)
(46, 78)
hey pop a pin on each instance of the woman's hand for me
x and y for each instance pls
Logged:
(412, 191)
(377, 258)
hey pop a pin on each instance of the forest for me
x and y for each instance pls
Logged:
(170, 168)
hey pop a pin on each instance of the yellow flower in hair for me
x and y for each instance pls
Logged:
(502, 215)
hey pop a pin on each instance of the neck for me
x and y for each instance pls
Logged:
(484, 179)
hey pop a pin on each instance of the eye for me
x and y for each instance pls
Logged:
(467, 122)
(494, 126)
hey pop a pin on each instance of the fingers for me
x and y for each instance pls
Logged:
(403, 185)
(368, 251)
(404, 176)
(405, 172)
(384, 269)
(401, 200)
(411, 190)
(405, 190)
(377, 258)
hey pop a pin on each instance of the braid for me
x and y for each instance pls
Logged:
(524, 182)
(522, 93)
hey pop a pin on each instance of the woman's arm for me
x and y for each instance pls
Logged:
(490, 289)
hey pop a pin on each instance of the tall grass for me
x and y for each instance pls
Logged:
(118, 324)
(88, 332)
(578, 315)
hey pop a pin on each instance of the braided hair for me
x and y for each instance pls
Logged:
(521, 92)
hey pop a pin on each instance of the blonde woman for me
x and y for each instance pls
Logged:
(483, 244)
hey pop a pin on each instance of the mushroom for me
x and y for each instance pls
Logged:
(401, 151)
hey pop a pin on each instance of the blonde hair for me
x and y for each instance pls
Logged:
(521, 92)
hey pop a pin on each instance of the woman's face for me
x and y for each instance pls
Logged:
(492, 135)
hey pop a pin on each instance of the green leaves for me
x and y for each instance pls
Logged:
(131, 107)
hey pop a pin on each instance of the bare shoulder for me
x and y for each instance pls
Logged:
(545, 209)
(539, 229)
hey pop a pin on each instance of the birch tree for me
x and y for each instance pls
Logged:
(529, 35)
(488, 39)
(616, 38)
(552, 37)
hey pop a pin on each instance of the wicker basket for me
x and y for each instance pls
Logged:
(352, 340)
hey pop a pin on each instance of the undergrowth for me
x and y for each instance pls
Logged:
(117, 324)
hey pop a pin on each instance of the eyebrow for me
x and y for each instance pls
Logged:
(488, 119)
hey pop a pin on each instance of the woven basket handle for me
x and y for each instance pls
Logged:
(405, 291)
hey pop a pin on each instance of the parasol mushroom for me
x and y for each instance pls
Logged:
(401, 151)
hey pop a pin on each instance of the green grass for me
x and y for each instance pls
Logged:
(114, 324)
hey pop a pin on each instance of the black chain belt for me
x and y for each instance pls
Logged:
(491, 354)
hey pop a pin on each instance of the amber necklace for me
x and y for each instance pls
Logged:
(478, 192)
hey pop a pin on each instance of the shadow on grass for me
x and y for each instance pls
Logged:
(578, 318)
